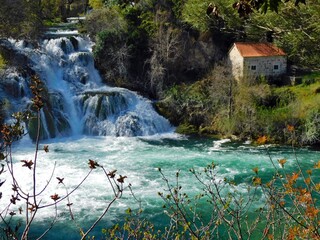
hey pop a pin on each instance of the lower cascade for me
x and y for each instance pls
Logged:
(76, 101)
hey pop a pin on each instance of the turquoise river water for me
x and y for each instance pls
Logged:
(138, 158)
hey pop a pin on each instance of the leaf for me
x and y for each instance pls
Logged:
(282, 162)
(46, 148)
(317, 165)
(93, 164)
(60, 180)
(2, 157)
(14, 199)
(128, 211)
(256, 181)
(309, 172)
(121, 179)
(2, 169)
(270, 237)
(293, 178)
(262, 140)
(12, 213)
(27, 163)
(307, 180)
(112, 174)
(32, 208)
(1, 183)
(290, 128)
(311, 211)
(243, 8)
(14, 188)
(256, 169)
(54, 197)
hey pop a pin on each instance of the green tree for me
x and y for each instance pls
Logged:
(194, 13)
(96, 4)
(20, 19)
(215, 15)
(105, 19)
(246, 7)
(295, 29)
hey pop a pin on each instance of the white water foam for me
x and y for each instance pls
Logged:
(217, 144)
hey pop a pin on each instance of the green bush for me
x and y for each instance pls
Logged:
(311, 127)
(5, 106)
(308, 81)
(3, 62)
(105, 19)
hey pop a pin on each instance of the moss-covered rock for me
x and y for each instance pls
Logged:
(62, 125)
(32, 127)
(75, 43)
(188, 129)
(164, 109)
(5, 107)
(50, 122)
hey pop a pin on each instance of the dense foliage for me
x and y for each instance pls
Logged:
(217, 105)
(19, 18)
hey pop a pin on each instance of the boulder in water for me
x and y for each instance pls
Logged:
(75, 43)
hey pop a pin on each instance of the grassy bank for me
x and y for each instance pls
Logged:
(216, 106)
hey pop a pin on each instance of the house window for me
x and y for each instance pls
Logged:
(253, 67)
(276, 67)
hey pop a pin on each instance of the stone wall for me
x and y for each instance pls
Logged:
(256, 66)
(266, 66)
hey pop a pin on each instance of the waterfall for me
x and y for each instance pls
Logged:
(76, 100)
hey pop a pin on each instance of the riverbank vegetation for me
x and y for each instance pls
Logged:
(217, 105)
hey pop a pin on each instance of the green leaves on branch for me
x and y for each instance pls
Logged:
(246, 7)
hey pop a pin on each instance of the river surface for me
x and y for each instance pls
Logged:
(138, 158)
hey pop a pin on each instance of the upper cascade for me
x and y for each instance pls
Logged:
(76, 100)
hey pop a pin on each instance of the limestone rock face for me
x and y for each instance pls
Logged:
(161, 61)
(13, 57)
(200, 54)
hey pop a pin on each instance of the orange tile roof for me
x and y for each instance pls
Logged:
(258, 49)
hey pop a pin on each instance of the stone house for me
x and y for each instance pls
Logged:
(257, 59)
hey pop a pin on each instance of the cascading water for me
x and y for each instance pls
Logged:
(76, 100)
